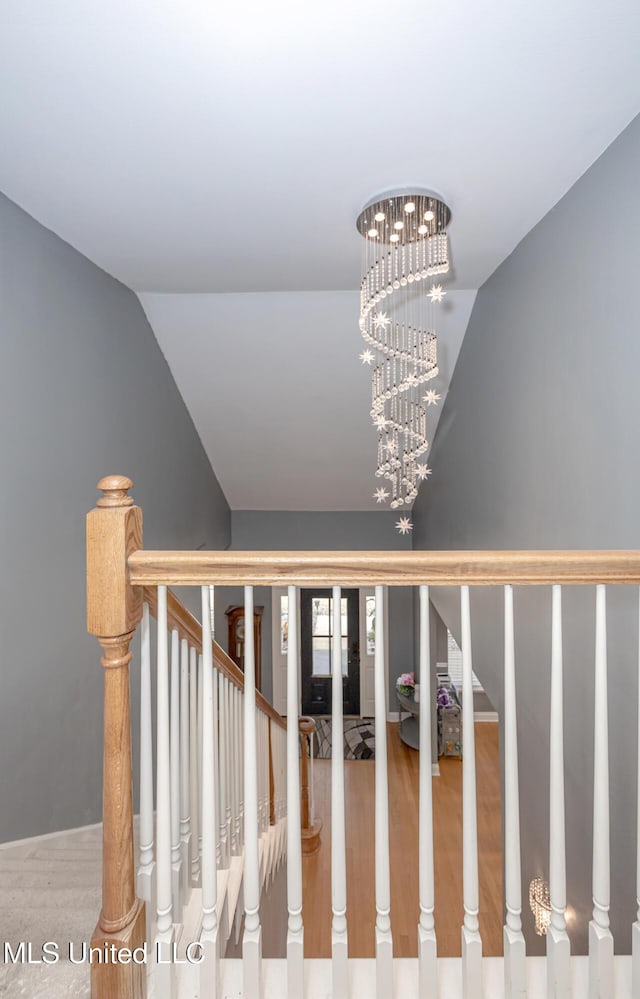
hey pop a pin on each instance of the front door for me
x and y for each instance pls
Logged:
(316, 630)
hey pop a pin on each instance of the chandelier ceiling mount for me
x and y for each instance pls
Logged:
(419, 213)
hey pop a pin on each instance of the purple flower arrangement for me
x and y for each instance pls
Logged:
(444, 698)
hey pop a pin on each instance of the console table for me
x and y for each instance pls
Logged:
(409, 728)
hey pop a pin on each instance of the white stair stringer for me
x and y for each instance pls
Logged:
(270, 849)
(230, 911)
(362, 978)
(234, 891)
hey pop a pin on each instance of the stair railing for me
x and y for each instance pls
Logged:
(192, 844)
(119, 569)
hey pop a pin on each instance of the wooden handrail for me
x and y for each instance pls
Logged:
(190, 628)
(414, 568)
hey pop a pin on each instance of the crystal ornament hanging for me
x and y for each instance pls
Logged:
(405, 250)
(404, 525)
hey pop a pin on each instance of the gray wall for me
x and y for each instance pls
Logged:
(273, 530)
(538, 448)
(84, 391)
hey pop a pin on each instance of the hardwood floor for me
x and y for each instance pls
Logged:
(403, 814)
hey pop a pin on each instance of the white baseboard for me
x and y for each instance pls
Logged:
(435, 769)
(479, 716)
(45, 836)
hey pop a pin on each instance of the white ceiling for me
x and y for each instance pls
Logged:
(278, 395)
(228, 147)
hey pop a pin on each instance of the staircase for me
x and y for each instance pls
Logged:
(198, 756)
(227, 782)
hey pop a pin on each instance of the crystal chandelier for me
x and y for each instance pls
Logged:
(540, 903)
(405, 250)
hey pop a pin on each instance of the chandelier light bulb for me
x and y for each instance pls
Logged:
(399, 224)
(410, 207)
(429, 216)
(394, 237)
(379, 216)
(372, 233)
(423, 229)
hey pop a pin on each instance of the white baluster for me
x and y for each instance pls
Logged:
(384, 942)
(239, 819)
(558, 949)
(471, 941)
(230, 764)
(513, 939)
(283, 796)
(237, 773)
(280, 788)
(260, 752)
(427, 946)
(279, 792)
(260, 738)
(262, 844)
(216, 764)
(194, 768)
(199, 755)
(268, 749)
(146, 870)
(312, 797)
(271, 766)
(241, 711)
(265, 796)
(185, 782)
(265, 773)
(209, 932)
(164, 923)
(276, 799)
(285, 809)
(635, 936)
(600, 938)
(340, 969)
(252, 939)
(295, 931)
(272, 827)
(176, 852)
(222, 766)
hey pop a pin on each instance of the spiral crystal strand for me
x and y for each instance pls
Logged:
(405, 249)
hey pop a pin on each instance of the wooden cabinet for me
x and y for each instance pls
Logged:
(235, 618)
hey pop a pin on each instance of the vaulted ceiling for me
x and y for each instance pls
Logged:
(214, 157)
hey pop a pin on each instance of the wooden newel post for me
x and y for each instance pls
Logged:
(114, 609)
(310, 832)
